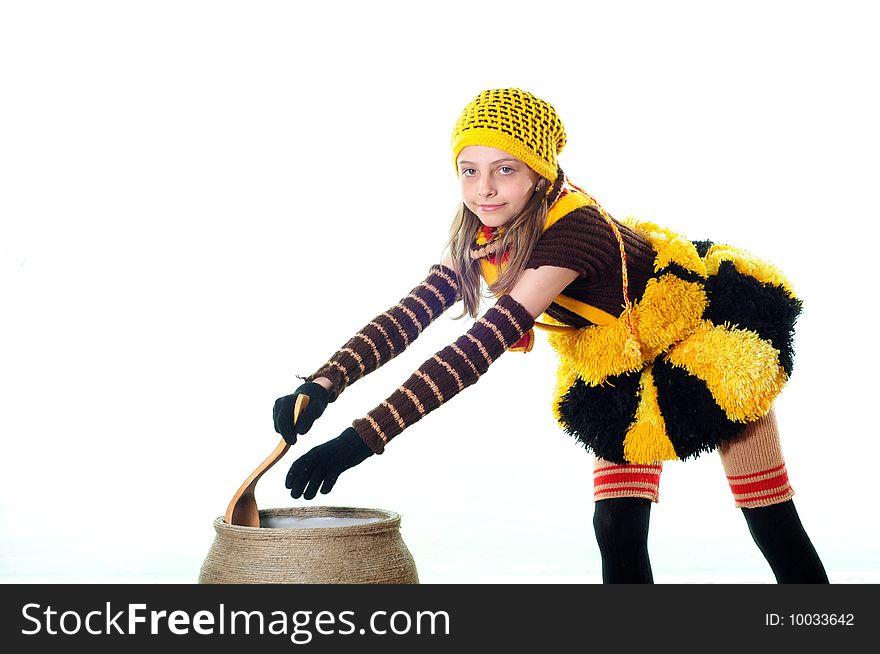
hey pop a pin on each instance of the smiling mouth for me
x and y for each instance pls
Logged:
(490, 207)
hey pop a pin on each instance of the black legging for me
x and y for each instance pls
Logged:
(778, 532)
(621, 526)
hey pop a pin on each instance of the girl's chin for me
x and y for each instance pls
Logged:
(491, 221)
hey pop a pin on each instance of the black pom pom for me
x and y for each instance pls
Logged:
(599, 416)
(765, 309)
(694, 421)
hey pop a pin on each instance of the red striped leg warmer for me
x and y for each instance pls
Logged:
(754, 465)
(625, 480)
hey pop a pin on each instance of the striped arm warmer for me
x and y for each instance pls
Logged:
(389, 333)
(447, 373)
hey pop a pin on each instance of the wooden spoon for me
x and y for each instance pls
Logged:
(242, 509)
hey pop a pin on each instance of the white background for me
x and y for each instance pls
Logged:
(200, 200)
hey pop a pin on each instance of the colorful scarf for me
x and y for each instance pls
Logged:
(485, 246)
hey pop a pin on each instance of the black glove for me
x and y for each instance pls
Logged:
(282, 413)
(324, 463)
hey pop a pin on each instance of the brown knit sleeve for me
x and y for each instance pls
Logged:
(446, 373)
(391, 332)
(582, 241)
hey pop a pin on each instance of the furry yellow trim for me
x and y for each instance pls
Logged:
(595, 353)
(646, 440)
(670, 309)
(747, 264)
(669, 246)
(739, 368)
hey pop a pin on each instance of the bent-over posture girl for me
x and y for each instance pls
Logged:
(668, 348)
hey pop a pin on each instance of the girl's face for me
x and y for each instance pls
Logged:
(495, 185)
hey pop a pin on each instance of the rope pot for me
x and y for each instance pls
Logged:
(311, 545)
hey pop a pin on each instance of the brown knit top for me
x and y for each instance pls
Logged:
(582, 241)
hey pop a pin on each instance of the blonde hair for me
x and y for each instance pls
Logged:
(518, 238)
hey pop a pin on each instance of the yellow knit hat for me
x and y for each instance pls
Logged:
(514, 121)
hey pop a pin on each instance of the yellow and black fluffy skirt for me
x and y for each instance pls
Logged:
(715, 327)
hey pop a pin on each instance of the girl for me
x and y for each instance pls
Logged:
(668, 348)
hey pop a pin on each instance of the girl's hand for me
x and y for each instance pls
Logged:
(282, 412)
(320, 466)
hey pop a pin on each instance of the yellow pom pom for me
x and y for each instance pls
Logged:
(631, 348)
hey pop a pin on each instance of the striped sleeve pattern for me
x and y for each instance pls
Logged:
(446, 373)
(391, 332)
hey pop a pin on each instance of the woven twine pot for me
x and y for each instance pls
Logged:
(368, 551)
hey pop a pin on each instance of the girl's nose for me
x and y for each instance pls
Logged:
(487, 189)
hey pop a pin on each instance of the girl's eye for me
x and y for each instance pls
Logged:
(468, 172)
(506, 170)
